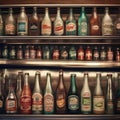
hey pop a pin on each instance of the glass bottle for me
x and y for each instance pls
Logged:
(72, 53)
(46, 25)
(19, 53)
(107, 23)
(39, 52)
(83, 23)
(5, 52)
(118, 96)
(71, 24)
(34, 23)
(117, 55)
(19, 89)
(109, 95)
(37, 96)
(110, 54)
(32, 52)
(73, 97)
(80, 52)
(26, 99)
(94, 23)
(1, 24)
(46, 52)
(95, 54)
(27, 52)
(12, 54)
(86, 98)
(98, 97)
(48, 96)
(56, 53)
(11, 100)
(61, 95)
(117, 24)
(88, 53)
(1, 96)
(103, 54)
(58, 24)
(10, 24)
(22, 23)
(64, 53)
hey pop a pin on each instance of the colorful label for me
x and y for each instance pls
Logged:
(64, 55)
(46, 28)
(107, 29)
(73, 102)
(56, 54)
(95, 27)
(37, 103)
(11, 106)
(10, 28)
(71, 28)
(98, 104)
(48, 103)
(33, 26)
(88, 55)
(22, 27)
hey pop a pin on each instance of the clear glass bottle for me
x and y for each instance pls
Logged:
(96, 54)
(58, 24)
(107, 23)
(46, 52)
(71, 28)
(103, 54)
(83, 23)
(22, 23)
(86, 97)
(73, 97)
(37, 96)
(98, 97)
(48, 96)
(1, 24)
(10, 23)
(46, 25)
(110, 54)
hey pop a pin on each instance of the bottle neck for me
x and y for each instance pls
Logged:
(10, 11)
(37, 86)
(86, 81)
(58, 13)
(46, 13)
(61, 84)
(19, 82)
(26, 79)
(35, 12)
(98, 81)
(83, 12)
(95, 13)
(48, 85)
(71, 14)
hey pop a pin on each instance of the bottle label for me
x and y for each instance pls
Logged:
(81, 55)
(95, 27)
(64, 55)
(56, 55)
(22, 27)
(48, 103)
(46, 28)
(118, 26)
(103, 55)
(12, 54)
(83, 28)
(11, 106)
(96, 55)
(110, 55)
(61, 102)
(72, 54)
(98, 104)
(109, 107)
(37, 103)
(9, 28)
(73, 102)
(1, 103)
(26, 103)
(88, 55)
(70, 27)
(33, 26)
(107, 29)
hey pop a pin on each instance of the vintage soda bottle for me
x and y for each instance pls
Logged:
(12, 54)
(96, 54)
(88, 53)
(86, 97)
(73, 97)
(94, 23)
(98, 97)
(71, 24)
(83, 23)
(11, 100)
(46, 25)
(19, 53)
(103, 54)
(39, 52)
(27, 52)
(48, 96)
(46, 52)
(64, 53)
(1, 24)
(34, 23)
(107, 23)
(37, 96)
(22, 23)
(56, 53)
(32, 52)
(110, 54)
(72, 53)
(5, 52)
(10, 24)
(60, 95)
(80, 53)
(117, 54)
(26, 99)
(58, 24)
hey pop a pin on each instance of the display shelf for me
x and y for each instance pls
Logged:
(61, 63)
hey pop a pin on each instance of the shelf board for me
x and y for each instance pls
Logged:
(60, 39)
(60, 63)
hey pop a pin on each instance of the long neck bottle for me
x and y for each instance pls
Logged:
(34, 23)
(107, 23)
(22, 23)
(46, 25)
(109, 96)
(94, 23)
(71, 24)
(83, 23)
(48, 96)
(118, 96)
(10, 24)
(1, 96)
(25, 99)
(37, 97)
(86, 98)
(60, 95)
(73, 97)
(58, 24)
(19, 89)
(1, 24)
(11, 100)
(98, 97)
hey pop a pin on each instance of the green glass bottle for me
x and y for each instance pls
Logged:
(73, 97)
(72, 53)
(83, 23)
(71, 24)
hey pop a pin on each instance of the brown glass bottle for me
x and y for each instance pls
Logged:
(94, 23)
(34, 26)
(60, 95)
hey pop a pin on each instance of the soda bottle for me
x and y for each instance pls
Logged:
(80, 53)
(72, 53)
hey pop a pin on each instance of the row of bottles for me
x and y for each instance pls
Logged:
(60, 101)
(81, 52)
(82, 27)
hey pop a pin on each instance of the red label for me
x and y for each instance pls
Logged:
(58, 28)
